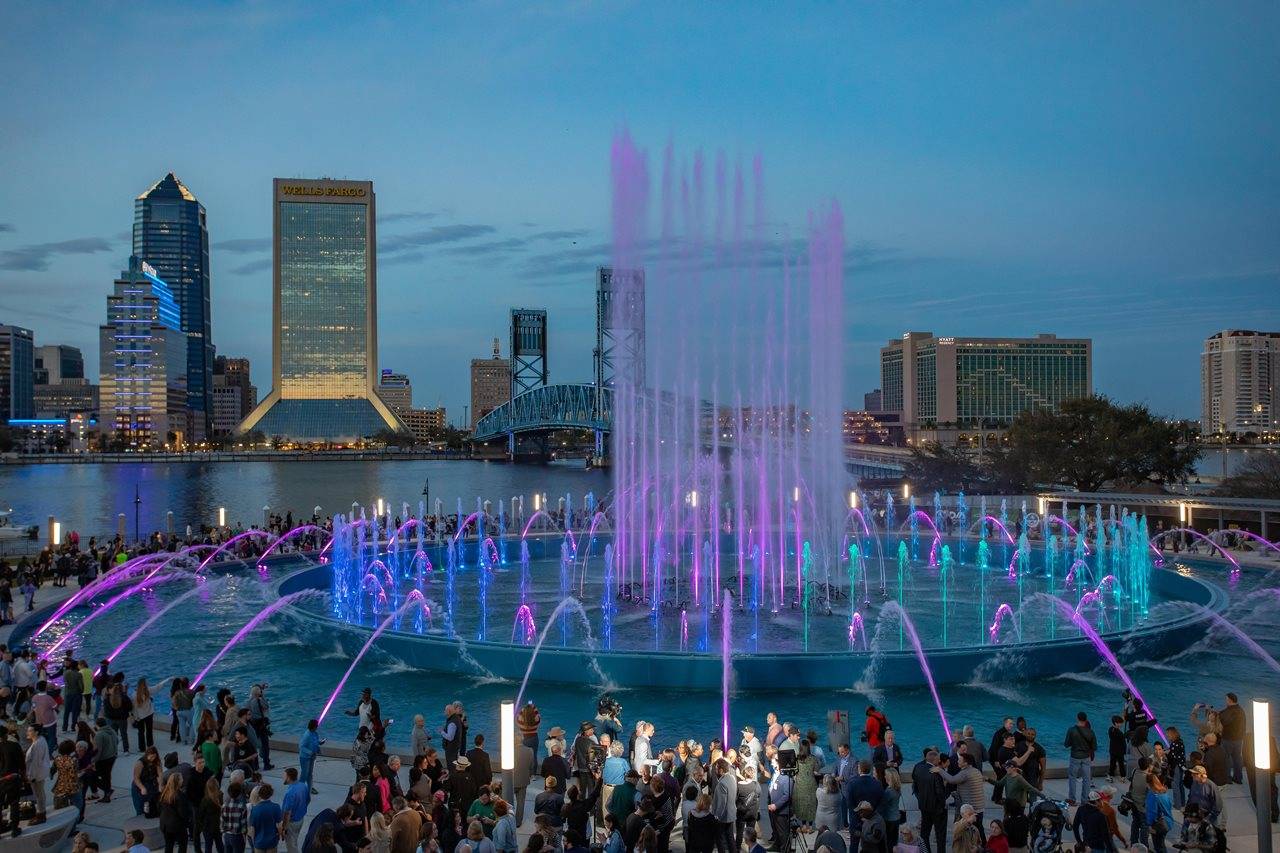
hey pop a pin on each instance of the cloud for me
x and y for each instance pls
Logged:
(432, 237)
(496, 247)
(407, 216)
(575, 234)
(245, 245)
(38, 255)
(5, 226)
(252, 267)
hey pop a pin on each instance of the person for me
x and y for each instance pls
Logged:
(260, 720)
(1090, 825)
(700, 825)
(1159, 811)
(623, 800)
(1232, 718)
(906, 841)
(528, 721)
(66, 787)
(874, 727)
(71, 695)
(724, 805)
(890, 803)
(135, 841)
(38, 764)
(1117, 748)
(550, 802)
(143, 716)
(523, 773)
(1198, 833)
(481, 765)
(476, 841)
(208, 820)
(1082, 743)
(504, 829)
(117, 708)
(780, 786)
(970, 786)
(1176, 763)
(293, 807)
(804, 793)
(864, 786)
(888, 752)
(482, 809)
(1215, 760)
(1137, 801)
(173, 815)
(419, 737)
(872, 836)
(44, 710)
(1016, 791)
(1205, 795)
(380, 833)
(641, 753)
(264, 821)
(613, 836)
(931, 798)
(453, 734)
(106, 746)
(997, 841)
(829, 800)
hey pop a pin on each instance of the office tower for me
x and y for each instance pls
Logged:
(56, 362)
(236, 373)
(425, 424)
(325, 312)
(968, 390)
(873, 401)
(143, 364)
(396, 391)
(1240, 382)
(169, 233)
(65, 398)
(490, 384)
(17, 372)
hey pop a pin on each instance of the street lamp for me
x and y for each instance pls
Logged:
(507, 713)
(906, 491)
(1040, 505)
(222, 516)
(693, 499)
(853, 500)
(57, 534)
(795, 494)
(1262, 771)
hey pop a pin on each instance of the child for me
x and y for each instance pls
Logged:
(752, 840)
(1045, 840)
(1117, 746)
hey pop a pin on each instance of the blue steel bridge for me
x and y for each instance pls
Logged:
(536, 413)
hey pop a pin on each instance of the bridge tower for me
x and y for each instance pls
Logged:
(528, 356)
(619, 353)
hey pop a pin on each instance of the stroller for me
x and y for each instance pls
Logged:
(1056, 814)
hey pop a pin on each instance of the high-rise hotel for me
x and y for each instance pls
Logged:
(1240, 382)
(968, 390)
(325, 315)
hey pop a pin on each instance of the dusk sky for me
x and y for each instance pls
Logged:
(1107, 170)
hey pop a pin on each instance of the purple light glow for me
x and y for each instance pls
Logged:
(1003, 529)
(531, 520)
(1067, 525)
(1245, 640)
(1003, 611)
(260, 617)
(411, 598)
(524, 619)
(462, 528)
(726, 658)
(1071, 574)
(289, 535)
(910, 627)
(137, 632)
(149, 580)
(115, 578)
(856, 627)
(248, 534)
(1013, 572)
(1235, 564)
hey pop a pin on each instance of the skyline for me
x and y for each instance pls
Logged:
(1002, 173)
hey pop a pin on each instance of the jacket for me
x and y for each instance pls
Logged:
(1090, 827)
(724, 798)
(930, 790)
(1082, 742)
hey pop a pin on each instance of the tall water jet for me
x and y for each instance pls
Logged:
(905, 622)
(159, 614)
(258, 618)
(726, 662)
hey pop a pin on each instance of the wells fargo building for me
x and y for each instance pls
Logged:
(325, 313)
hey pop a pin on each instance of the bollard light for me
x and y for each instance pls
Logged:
(222, 516)
(853, 500)
(1261, 734)
(906, 491)
(57, 536)
(795, 494)
(508, 716)
(1040, 505)
(379, 507)
(1182, 512)
(537, 501)
(693, 499)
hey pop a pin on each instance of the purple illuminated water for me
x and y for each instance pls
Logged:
(258, 618)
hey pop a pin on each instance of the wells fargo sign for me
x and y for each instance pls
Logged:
(301, 189)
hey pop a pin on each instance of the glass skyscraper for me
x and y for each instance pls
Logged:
(170, 233)
(142, 363)
(17, 373)
(325, 353)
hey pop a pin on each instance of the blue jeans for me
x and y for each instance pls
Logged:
(1081, 769)
(71, 710)
(306, 764)
(184, 724)
(1179, 789)
(233, 842)
(1235, 756)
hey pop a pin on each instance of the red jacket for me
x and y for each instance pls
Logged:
(876, 724)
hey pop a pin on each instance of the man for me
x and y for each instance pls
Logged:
(481, 766)
(71, 696)
(135, 841)
(864, 787)
(1197, 833)
(1205, 795)
(1082, 743)
(872, 835)
(724, 805)
(1033, 766)
(751, 742)
(774, 733)
(260, 720)
(792, 740)
(1233, 725)
(623, 801)
(106, 744)
(1216, 760)
(264, 821)
(1108, 809)
(13, 769)
(1002, 756)
(1015, 792)
(888, 753)
(846, 771)
(523, 772)
(1090, 825)
(37, 759)
(970, 788)
(243, 755)
(747, 805)
(297, 798)
(461, 785)
(780, 788)
(966, 834)
(998, 740)
(406, 826)
(874, 727)
(453, 734)
(931, 797)
(555, 765)
(44, 708)
(581, 752)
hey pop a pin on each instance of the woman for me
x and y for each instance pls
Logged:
(323, 842)
(117, 709)
(1206, 723)
(528, 721)
(997, 841)
(209, 818)
(420, 778)
(66, 788)
(360, 750)
(173, 815)
(647, 842)
(504, 830)
(804, 794)
(614, 842)
(890, 803)
(207, 728)
(701, 830)
(308, 749)
(144, 710)
(183, 707)
(828, 814)
(1159, 808)
(429, 843)
(146, 783)
(380, 793)
(380, 833)
(1177, 761)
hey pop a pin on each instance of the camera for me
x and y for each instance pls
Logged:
(786, 762)
(596, 755)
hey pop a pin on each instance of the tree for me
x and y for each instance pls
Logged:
(1091, 443)
(1258, 477)
(934, 468)
(1005, 470)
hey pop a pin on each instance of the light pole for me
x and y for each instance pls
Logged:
(1262, 771)
(507, 712)
(137, 513)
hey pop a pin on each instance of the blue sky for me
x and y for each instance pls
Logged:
(1091, 169)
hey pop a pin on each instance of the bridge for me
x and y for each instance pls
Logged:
(547, 408)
